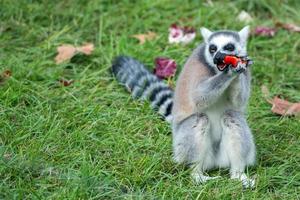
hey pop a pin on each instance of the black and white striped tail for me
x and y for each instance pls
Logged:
(143, 84)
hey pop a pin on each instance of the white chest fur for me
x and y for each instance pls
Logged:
(215, 113)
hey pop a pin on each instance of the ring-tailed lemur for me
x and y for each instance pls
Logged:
(206, 110)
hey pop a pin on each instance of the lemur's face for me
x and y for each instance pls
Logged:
(226, 42)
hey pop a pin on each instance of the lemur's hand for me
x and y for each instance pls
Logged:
(233, 71)
(242, 66)
(230, 71)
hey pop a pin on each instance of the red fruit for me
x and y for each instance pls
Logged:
(232, 60)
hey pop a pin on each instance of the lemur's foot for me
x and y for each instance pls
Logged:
(200, 178)
(247, 182)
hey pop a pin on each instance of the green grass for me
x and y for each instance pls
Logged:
(91, 140)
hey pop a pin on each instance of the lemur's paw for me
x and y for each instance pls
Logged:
(247, 182)
(240, 68)
(200, 178)
(230, 71)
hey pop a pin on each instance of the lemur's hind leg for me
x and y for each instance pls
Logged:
(192, 145)
(237, 143)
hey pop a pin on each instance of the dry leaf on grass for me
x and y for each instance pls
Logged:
(165, 67)
(182, 35)
(86, 49)
(145, 37)
(67, 51)
(281, 106)
(264, 31)
(284, 107)
(66, 82)
(5, 75)
(288, 26)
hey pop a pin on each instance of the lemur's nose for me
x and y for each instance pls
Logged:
(219, 57)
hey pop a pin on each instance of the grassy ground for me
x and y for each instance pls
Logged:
(91, 140)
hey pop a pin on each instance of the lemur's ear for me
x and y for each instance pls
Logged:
(205, 33)
(244, 34)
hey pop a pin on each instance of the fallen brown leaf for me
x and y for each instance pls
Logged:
(281, 106)
(67, 51)
(144, 37)
(86, 49)
(5, 75)
(284, 107)
(288, 26)
(264, 31)
(179, 34)
(66, 82)
(164, 67)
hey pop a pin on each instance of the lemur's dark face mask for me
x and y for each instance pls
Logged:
(218, 56)
(218, 60)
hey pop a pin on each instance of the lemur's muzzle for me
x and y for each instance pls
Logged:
(223, 60)
(219, 58)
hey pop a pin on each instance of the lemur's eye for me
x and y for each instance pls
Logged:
(213, 48)
(229, 47)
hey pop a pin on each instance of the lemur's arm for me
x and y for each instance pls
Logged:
(239, 90)
(211, 89)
